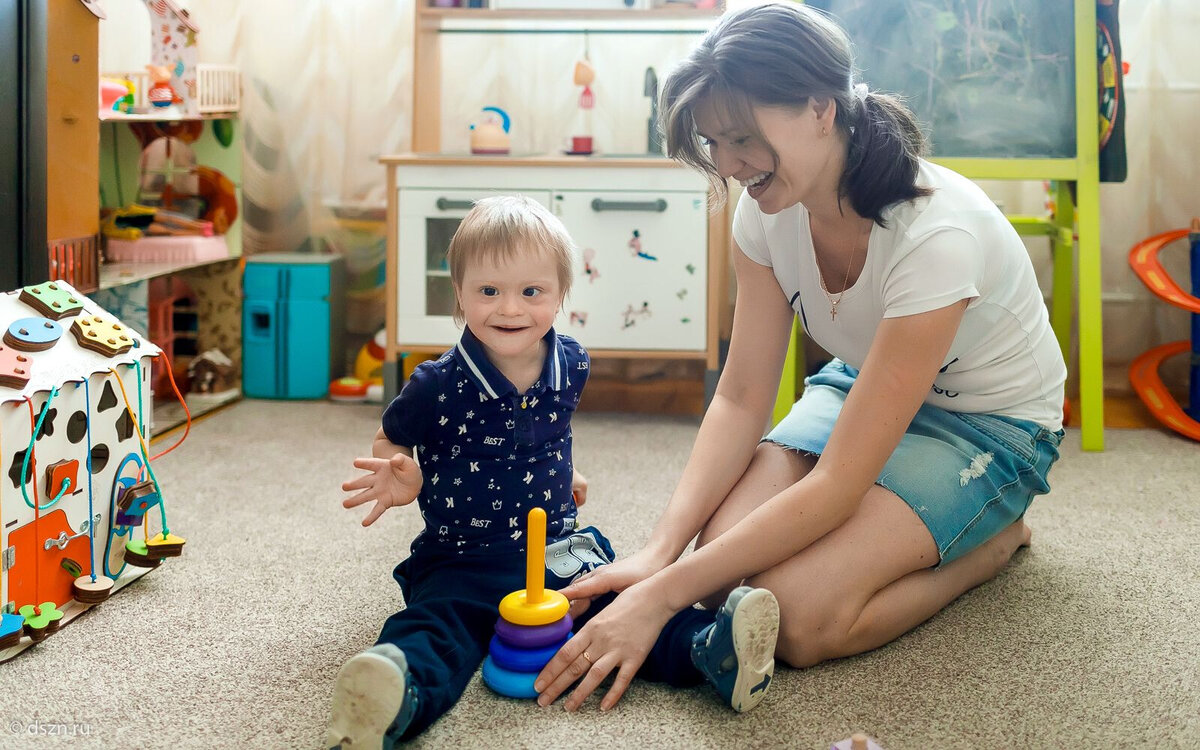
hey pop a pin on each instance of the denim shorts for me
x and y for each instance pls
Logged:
(967, 476)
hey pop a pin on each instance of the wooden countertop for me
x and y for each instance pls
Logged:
(598, 159)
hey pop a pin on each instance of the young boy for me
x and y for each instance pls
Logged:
(489, 423)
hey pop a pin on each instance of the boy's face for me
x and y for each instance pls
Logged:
(509, 307)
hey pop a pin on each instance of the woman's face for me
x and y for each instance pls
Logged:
(807, 169)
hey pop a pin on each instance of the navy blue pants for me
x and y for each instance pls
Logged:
(450, 616)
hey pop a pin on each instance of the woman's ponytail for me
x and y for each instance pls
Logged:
(885, 147)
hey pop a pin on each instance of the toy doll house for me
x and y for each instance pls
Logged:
(76, 481)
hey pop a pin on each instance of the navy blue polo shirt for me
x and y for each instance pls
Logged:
(487, 452)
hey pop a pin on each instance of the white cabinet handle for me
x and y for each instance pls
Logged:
(657, 206)
(446, 204)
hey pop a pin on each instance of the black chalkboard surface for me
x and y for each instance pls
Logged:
(987, 78)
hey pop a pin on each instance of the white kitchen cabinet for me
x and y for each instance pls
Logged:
(649, 294)
(637, 292)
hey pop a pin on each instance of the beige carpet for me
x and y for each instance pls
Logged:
(1091, 639)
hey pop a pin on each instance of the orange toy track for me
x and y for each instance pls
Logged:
(1143, 373)
(1143, 259)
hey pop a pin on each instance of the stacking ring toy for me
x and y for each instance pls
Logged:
(533, 625)
(533, 605)
(521, 659)
(525, 636)
(507, 682)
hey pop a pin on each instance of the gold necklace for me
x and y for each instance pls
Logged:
(833, 303)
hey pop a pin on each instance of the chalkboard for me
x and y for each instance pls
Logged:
(987, 78)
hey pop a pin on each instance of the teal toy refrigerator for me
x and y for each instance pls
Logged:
(293, 317)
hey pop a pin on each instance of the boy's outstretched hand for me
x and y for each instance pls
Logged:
(389, 482)
(579, 487)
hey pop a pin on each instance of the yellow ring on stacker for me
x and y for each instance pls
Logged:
(552, 608)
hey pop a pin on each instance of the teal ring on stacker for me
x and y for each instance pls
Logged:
(507, 682)
(522, 659)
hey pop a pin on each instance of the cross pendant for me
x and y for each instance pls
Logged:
(833, 314)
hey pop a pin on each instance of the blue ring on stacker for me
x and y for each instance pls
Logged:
(522, 659)
(506, 682)
(533, 636)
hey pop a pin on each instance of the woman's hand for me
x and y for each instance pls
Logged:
(390, 482)
(617, 576)
(618, 638)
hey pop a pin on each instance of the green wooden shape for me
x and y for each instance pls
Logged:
(40, 619)
(57, 302)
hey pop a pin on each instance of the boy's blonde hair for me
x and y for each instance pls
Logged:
(502, 227)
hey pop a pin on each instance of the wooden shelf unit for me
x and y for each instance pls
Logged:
(427, 64)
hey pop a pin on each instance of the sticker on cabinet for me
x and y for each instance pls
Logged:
(589, 268)
(632, 315)
(635, 244)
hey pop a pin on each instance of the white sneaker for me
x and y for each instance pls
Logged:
(373, 700)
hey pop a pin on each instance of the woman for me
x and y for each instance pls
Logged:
(867, 509)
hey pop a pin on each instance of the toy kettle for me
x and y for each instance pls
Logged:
(490, 134)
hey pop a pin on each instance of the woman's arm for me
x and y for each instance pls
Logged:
(900, 368)
(734, 421)
(732, 427)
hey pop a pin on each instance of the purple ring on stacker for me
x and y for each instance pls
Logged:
(533, 636)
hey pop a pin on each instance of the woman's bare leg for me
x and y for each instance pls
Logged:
(916, 597)
(772, 470)
(863, 584)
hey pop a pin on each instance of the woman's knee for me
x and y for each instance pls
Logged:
(812, 637)
(772, 469)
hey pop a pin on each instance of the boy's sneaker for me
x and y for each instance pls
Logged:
(737, 652)
(373, 701)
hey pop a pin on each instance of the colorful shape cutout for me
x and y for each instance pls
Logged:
(15, 368)
(33, 334)
(52, 300)
(102, 335)
(41, 621)
(57, 472)
(11, 628)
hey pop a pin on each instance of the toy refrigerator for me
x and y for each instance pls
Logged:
(292, 324)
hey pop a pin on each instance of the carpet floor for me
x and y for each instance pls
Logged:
(1089, 639)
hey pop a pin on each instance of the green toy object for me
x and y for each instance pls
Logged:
(41, 621)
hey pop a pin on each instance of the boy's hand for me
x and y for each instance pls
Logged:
(579, 485)
(389, 482)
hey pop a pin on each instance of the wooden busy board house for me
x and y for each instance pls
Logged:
(76, 482)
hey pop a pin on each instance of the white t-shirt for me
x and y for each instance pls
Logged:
(952, 245)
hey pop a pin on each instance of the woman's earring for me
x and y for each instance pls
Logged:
(824, 131)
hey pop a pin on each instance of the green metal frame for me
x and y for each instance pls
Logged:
(1079, 218)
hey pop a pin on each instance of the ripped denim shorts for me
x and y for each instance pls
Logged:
(967, 476)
